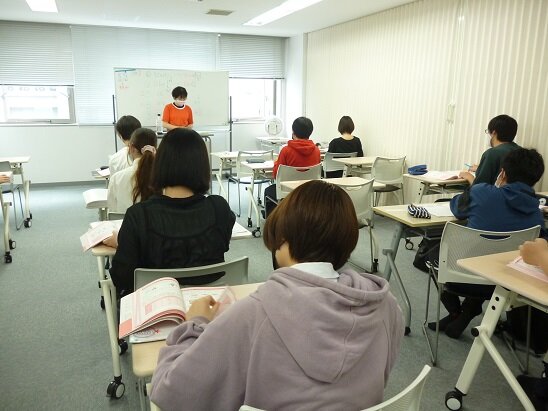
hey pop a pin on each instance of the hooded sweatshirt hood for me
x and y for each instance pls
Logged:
(334, 318)
(303, 147)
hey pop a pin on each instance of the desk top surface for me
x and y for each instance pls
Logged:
(435, 181)
(542, 193)
(340, 181)
(356, 161)
(399, 213)
(144, 356)
(267, 165)
(16, 160)
(493, 267)
(233, 155)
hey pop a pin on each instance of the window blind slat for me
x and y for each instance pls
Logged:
(35, 54)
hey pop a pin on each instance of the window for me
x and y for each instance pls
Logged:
(254, 99)
(42, 104)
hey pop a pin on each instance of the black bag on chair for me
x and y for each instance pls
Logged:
(428, 250)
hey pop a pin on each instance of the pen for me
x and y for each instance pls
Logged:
(468, 165)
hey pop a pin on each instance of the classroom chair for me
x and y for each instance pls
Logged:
(10, 189)
(334, 168)
(288, 173)
(361, 197)
(458, 242)
(388, 171)
(245, 176)
(407, 400)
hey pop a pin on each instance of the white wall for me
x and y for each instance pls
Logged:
(294, 80)
(68, 153)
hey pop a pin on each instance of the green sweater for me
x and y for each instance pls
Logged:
(489, 166)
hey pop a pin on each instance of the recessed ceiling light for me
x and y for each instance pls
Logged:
(284, 9)
(47, 6)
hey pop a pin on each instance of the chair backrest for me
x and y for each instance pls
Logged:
(235, 273)
(407, 400)
(256, 155)
(288, 173)
(330, 165)
(459, 241)
(388, 170)
(362, 199)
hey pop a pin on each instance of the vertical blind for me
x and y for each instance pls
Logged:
(35, 54)
(252, 56)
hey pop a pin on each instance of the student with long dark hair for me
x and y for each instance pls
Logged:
(179, 226)
(133, 184)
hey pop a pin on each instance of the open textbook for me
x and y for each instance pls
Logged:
(152, 311)
(533, 271)
(99, 232)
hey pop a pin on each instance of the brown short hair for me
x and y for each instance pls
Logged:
(346, 125)
(318, 221)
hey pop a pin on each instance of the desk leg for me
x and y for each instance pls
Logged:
(253, 204)
(424, 187)
(482, 342)
(26, 192)
(8, 243)
(391, 267)
(219, 176)
(116, 387)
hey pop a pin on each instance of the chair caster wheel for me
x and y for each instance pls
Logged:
(256, 233)
(407, 331)
(116, 389)
(409, 244)
(249, 222)
(102, 303)
(122, 346)
(12, 244)
(27, 223)
(7, 258)
(453, 400)
(31, 216)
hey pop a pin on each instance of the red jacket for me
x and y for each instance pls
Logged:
(298, 153)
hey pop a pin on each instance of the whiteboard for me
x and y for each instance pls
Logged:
(143, 93)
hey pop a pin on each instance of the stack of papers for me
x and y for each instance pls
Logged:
(442, 175)
(531, 270)
(439, 210)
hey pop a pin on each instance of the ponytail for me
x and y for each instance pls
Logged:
(144, 140)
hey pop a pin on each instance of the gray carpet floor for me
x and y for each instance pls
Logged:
(54, 351)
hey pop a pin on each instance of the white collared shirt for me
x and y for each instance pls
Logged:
(324, 270)
(120, 189)
(119, 160)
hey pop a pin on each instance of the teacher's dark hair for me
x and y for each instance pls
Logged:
(182, 160)
(301, 221)
(179, 92)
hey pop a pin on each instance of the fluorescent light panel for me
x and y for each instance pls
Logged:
(47, 6)
(284, 9)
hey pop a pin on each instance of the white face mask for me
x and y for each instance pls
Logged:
(179, 103)
(497, 183)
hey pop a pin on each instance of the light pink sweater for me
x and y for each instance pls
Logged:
(300, 342)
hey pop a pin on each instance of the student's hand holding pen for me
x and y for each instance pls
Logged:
(203, 307)
(471, 167)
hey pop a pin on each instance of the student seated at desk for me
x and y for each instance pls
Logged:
(132, 184)
(536, 253)
(299, 152)
(509, 205)
(502, 131)
(125, 126)
(347, 143)
(313, 336)
(179, 226)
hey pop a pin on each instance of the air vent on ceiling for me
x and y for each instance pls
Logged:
(216, 12)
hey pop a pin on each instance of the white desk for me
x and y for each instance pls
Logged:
(340, 181)
(433, 186)
(259, 171)
(17, 168)
(268, 142)
(407, 227)
(511, 286)
(362, 165)
(96, 198)
(9, 244)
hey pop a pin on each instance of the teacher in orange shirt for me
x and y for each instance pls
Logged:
(178, 114)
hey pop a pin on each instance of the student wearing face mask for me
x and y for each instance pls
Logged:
(509, 205)
(501, 130)
(178, 113)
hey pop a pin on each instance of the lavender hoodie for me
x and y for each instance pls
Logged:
(300, 342)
